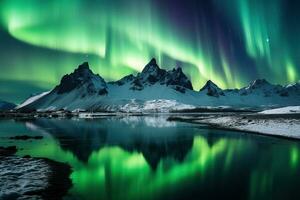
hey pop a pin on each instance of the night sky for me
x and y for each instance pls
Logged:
(230, 42)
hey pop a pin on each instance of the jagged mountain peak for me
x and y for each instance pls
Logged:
(152, 74)
(209, 83)
(151, 66)
(262, 86)
(82, 76)
(212, 89)
(152, 69)
(152, 62)
(84, 90)
(258, 83)
(177, 77)
(84, 65)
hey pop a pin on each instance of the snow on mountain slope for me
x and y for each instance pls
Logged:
(211, 89)
(32, 99)
(155, 90)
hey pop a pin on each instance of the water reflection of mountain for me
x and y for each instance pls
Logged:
(154, 137)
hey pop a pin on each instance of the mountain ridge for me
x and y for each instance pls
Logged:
(154, 89)
(4, 105)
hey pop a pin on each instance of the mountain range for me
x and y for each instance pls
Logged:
(155, 90)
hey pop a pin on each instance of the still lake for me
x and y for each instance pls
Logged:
(148, 157)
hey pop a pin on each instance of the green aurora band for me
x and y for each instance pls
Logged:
(120, 37)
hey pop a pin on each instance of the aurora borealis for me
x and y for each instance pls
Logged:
(228, 41)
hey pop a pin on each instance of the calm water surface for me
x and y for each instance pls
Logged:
(152, 158)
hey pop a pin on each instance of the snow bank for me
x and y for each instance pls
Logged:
(283, 110)
(287, 127)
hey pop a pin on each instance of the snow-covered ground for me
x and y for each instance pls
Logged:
(277, 126)
(258, 123)
(283, 110)
(32, 99)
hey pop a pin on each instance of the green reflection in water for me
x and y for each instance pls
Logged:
(111, 171)
(251, 166)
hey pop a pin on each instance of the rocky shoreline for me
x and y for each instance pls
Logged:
(32, 178)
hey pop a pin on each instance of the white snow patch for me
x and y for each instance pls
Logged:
(283, 110)
(159, 106)
(32, 99)
(269, 126)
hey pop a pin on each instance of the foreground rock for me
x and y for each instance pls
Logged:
(31, 178)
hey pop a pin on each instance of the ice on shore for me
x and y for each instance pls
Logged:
(283, 110)
(287, 127)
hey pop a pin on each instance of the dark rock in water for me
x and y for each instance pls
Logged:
(26, 137)
(212, 89)
(6, 151)
(82, 76)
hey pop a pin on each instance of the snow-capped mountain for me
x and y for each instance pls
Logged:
(155, 90)
(152, 75)
(84, 79)
(6, 106)
(211, 89)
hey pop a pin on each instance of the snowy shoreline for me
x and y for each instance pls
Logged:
(280, 125)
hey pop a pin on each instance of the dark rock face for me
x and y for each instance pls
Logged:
(136, 85)
(260, 86)
(259, 83)
(152, 74)
(82, 76)
(212, 89)
(269, 90)
(102, 92)
(4, 106)
(124, 80)
(291, 89)
(177, 78)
